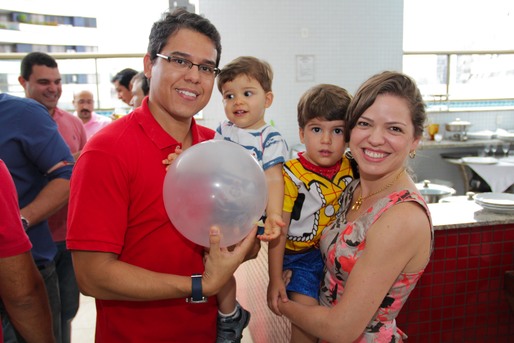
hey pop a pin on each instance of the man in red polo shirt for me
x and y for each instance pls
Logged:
(22, 289)
(150, 282)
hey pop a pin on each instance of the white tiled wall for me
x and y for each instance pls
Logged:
(350, 41)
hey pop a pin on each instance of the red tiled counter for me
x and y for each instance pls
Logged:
(461, 297)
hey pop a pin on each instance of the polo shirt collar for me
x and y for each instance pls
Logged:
(155, 132)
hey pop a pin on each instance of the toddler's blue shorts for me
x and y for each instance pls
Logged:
(307, 271)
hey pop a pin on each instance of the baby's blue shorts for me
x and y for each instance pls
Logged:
(307, 271)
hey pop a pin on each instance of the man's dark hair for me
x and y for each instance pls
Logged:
(145, 84)
(163, 29)
(123, 77)
(35, 58)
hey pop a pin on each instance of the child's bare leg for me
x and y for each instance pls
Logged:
(297, 334)
(227, 298)
(232, 318)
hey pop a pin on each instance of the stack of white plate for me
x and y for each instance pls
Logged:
(479, 160)
(486, 134)
(509, 159)
(496, 202)
(506, 136)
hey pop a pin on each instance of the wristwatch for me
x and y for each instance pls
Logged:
(196, 290)
(25, 223)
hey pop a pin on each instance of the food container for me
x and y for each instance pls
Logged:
(457, 125)
(432, 192)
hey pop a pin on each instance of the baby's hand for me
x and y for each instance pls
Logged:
(171, 157)
(272, 227)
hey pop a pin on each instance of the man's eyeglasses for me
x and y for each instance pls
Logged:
(183, 64)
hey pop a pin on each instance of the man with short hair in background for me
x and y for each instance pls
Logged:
(84, 103)
(121, 82)
(41, 80)
(140, 88)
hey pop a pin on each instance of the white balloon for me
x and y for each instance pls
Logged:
(218, 183)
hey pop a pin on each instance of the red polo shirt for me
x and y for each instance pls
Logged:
(116, 205)
(13, 240)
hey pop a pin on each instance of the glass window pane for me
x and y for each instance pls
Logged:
(429, 71)
(81, 74)
(481, 76)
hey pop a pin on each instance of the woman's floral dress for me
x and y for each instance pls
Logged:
(341, 245)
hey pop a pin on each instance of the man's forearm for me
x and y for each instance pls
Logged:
(25, 299)
(51, 198)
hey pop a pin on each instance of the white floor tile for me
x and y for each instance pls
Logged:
(83, 326)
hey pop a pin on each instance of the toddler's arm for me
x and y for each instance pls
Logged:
(171, 157)
(274, 222)
(277, 287)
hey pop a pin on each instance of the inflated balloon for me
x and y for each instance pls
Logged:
(215, 183)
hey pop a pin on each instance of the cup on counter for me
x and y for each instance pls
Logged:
(432, 130)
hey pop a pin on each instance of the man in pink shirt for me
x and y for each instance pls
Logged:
(84, 103)
(41, 80)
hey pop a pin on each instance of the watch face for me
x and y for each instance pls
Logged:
(25, 223)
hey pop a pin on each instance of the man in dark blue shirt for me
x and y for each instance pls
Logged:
(40, 163)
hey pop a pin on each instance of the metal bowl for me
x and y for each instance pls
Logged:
(432, 192)
(457, 125)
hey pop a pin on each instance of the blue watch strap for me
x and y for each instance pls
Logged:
(196, 291)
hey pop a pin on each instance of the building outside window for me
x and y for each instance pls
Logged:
(460, 52)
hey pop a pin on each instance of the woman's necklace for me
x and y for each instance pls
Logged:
(360, 199)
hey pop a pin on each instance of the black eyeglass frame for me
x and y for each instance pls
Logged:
(189, 64)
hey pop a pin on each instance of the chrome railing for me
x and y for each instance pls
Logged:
(448, 79)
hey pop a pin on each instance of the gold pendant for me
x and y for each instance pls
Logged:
(357, 204)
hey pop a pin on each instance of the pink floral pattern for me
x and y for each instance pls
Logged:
(341, 245)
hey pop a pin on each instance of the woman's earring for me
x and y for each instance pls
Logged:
(412, 154)
(348, 154)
